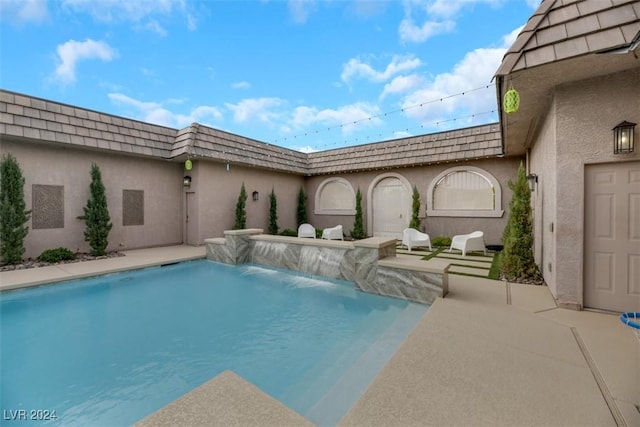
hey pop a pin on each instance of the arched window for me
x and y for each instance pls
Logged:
(335, 196)
(465, 191)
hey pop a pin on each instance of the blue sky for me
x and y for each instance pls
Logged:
(307, 75)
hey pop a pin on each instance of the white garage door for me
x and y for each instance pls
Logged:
(612, 236)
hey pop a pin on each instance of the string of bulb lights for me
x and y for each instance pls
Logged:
(386, 114)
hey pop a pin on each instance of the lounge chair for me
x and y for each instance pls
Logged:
(412, 238)
(333, 233)
(306, 230)
(469, 242)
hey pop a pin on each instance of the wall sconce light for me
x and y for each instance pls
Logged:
(533, 180)
(256, 196)
(623, 138)
(186, 181)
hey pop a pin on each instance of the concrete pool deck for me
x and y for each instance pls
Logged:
(490, 353)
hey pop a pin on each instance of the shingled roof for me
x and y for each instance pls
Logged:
(460, 144)
(562, 29)
(564, 41)
(26, 118)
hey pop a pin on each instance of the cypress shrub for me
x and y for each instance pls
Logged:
(96, 215)
(273, 213)
(517, 259)
(302, 207)
(241, 210)
(358, 227)
(13, 214)
(415, 210)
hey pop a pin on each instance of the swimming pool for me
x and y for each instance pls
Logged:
(112, 349)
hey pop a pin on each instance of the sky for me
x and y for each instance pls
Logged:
(303, 74)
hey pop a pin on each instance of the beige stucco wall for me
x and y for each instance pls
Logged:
(543, 162)
(215, 191)
(69, 167)
(586, 111)
(502, 169)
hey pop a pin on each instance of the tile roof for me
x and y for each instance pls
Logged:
(563, 29)
(29, 118)
(460, 144)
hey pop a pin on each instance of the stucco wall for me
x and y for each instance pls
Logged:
(543, 162)
(63, 166)
(216, 193)
(586, 113)
(502, 169)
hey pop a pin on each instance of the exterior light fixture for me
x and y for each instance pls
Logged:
(623, 138)
(256, 196)
(186, 181)
(532, 178)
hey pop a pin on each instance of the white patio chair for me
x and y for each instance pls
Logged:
(469, 242)
(333, 233)
(306, 230)
(412, 238)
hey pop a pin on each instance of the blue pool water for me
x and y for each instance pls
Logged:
(113, 349)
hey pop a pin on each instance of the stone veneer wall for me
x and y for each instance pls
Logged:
(370, 263)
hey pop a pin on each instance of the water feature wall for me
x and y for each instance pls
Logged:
(370, 263)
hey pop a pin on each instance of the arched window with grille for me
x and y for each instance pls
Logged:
(465, 191)
(335, 196)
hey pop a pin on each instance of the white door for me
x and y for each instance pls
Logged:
(612, 236)
(391, 208)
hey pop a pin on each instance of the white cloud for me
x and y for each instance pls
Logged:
(300, 10)
(475, 70)
(241, 85)
(24, 11)
(155, 27)
(118, 10)
(401, 84)
(306, 149)
(533, 4)
(436, 17)
(409, 31)
(157, 113)
(265, 110)
(356, 68)
(349, 117)
(192, 22)
(71, 52)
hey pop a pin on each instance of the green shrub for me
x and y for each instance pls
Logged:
(57, 255)
(441, 242)
(13, 215)
(96, 215)
(273, 213)
(301, 213)
(415, 209)
(358, 227)
(517, 259)
(289, 232)
(241, 210)
(319, 233)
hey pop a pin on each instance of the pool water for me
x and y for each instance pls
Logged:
(113, 349)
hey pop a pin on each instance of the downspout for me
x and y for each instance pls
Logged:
(503, 125)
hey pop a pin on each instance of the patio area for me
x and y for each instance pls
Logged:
(490, 353)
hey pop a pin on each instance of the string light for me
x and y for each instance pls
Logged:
(385, 114)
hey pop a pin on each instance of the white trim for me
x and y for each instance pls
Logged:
(317, 209)
(496, 212)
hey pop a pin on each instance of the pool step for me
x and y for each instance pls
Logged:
(337, 401)
(338, 360)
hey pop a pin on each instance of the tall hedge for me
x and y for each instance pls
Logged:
(13, 215)
(96, 215)
(517, 258)
(273, 213)
(358, 225)
(415, 210)
(241, 210)
(301, 214)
